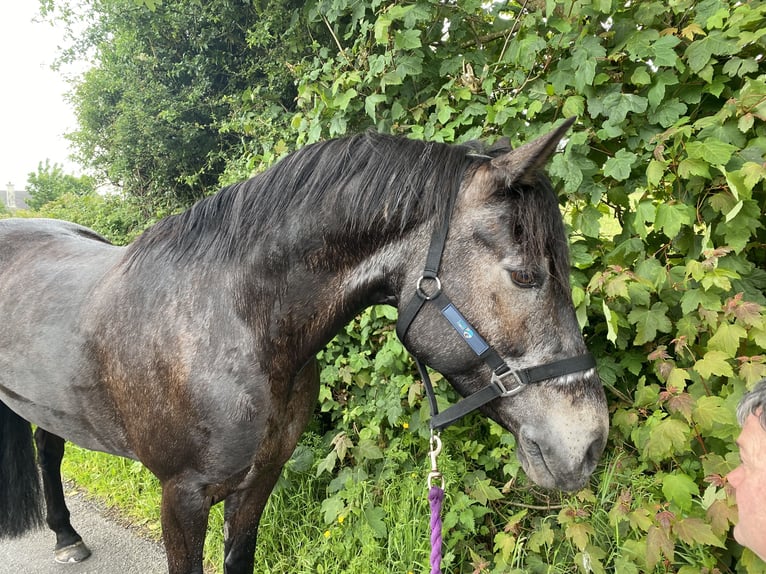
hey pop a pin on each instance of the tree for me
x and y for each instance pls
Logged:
(153, 108)
(117, 218)
(50, 182)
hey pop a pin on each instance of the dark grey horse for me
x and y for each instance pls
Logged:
(192, 350)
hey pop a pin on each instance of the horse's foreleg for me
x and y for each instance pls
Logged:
(69, 544)
(242, 513)
(184, 523)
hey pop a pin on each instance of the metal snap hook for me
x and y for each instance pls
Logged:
(436, 448)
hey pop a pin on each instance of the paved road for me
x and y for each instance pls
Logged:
(116, 548)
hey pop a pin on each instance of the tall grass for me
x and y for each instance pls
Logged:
(293, 535)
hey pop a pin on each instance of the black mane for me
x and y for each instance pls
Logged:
(367, 185)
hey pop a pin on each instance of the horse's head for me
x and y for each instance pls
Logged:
(505, 270)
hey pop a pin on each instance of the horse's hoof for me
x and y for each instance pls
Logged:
(77, 552)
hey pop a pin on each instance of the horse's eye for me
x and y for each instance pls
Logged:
(523, 278)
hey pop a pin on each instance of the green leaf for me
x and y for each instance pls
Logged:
(699, 52)
(663, 51)
(752, 173)
(382, 24)
(504, 544)
(670, 436)
(584, 74)
(585, 54)
(727, 338)
(679, 489)
(371, 103)
(328, 463)
(482, 491)
(331, 509)
(367, 450)
(714, 363)
(640, 519)
(677, 378)
(738, 232)
(375, 517)
(672, 216)
(640, 77)
(580, 533)
(341, 101)
(444, 113)
(668, 113)
(654, 172)
(739, 189)
(745, 123)
(542, 536)
(646, 212)
(649, 321)
(612, 324)
(711, 150)
(588, 221)
(709, 411)
(407, 39)
(617, 106)
(410, 64)
(618, 167)
(656, 93)
(689, 167)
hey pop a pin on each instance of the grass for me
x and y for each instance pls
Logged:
(293, 535)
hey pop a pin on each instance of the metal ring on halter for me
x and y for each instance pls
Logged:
(421, 293)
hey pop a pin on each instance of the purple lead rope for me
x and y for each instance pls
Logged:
(435, 500)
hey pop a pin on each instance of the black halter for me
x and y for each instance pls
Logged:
(504, 382)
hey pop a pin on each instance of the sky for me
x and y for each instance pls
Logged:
(34, 114)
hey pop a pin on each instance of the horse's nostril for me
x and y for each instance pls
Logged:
(533, 449)
(593, 455)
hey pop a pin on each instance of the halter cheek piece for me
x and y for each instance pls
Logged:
(504, 381)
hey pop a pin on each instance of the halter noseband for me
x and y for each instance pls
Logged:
(504, 382)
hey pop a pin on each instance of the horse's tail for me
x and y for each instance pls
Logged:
(20, 495)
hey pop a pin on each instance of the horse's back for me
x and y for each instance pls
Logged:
(49, 270)
(41, 254)
(18, 236)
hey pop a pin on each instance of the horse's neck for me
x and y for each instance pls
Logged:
(320, 292)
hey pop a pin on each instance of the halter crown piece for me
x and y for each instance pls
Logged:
(504, 382)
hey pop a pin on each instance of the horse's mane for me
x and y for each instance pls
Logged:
(368, 185)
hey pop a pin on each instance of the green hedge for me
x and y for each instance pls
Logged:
(662, 184)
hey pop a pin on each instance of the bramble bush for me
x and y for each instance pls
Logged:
(662, 186)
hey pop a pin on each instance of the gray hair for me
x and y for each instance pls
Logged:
(751, 402)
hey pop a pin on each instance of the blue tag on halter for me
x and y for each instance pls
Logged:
(465, 329)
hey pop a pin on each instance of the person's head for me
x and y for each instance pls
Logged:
(749, 478)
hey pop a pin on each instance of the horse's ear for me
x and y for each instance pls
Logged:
(519, 166)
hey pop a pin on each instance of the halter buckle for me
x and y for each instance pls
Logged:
(519, 385)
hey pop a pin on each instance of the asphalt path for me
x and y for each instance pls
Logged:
(116, 548)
